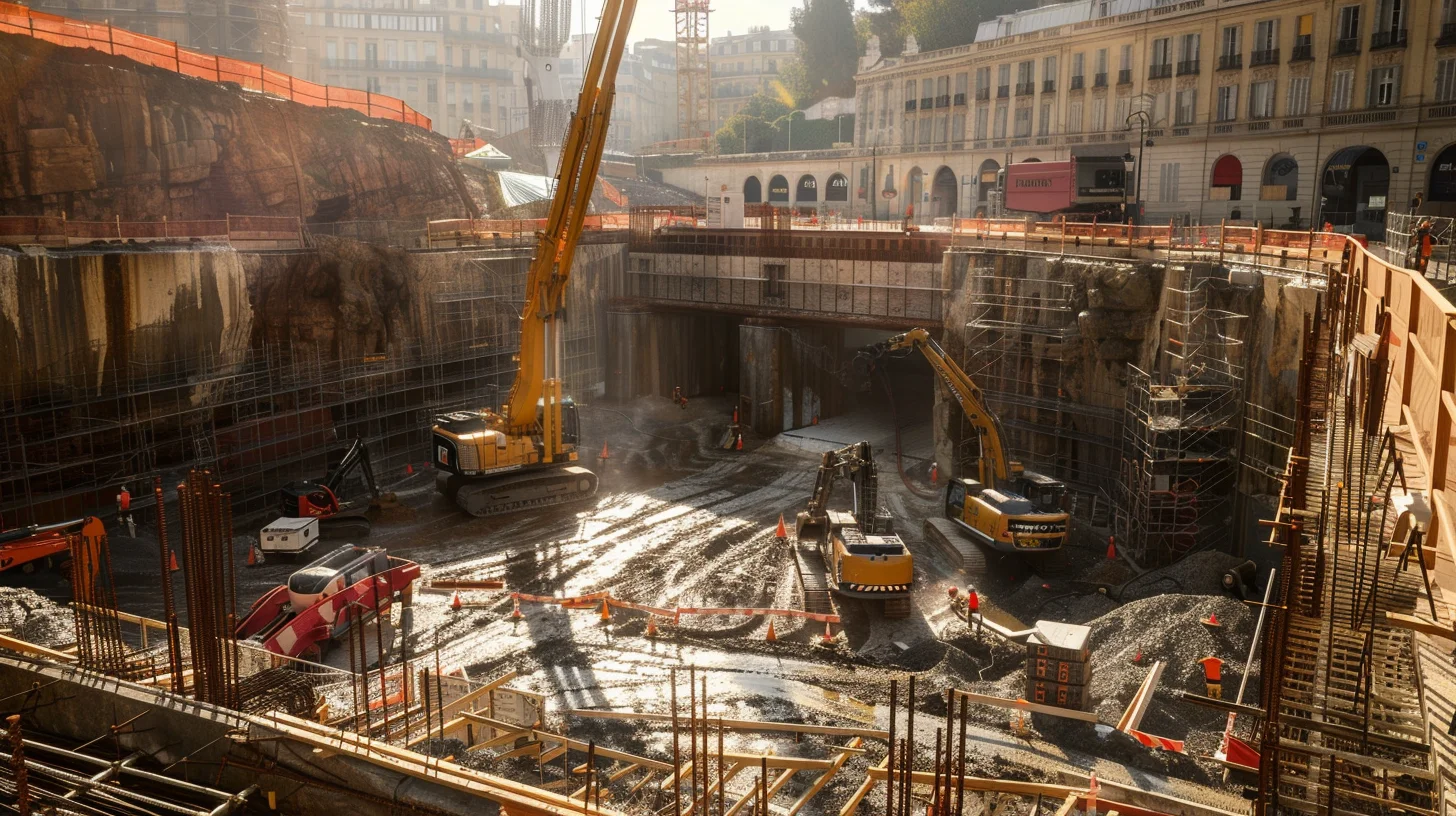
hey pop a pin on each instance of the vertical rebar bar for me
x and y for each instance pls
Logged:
(692, 736)
(18, 773)
(890, 754)
(676, 753)
(961, 762)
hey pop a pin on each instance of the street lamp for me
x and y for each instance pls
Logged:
(790, 117)
(1143, 141)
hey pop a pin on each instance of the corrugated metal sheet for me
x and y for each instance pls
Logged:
(1025, 22)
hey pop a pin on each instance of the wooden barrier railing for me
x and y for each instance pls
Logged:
(59, 231)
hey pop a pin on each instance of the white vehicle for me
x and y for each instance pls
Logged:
(289, 536)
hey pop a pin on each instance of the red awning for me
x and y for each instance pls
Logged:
(1227, 172)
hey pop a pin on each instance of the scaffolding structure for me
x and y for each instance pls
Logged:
(259, 418)
(1181, 429)
(694, 112)
(1022, 340)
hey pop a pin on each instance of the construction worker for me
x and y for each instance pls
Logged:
(973, 610)
(123, 511)
(1421, 244)
(679, 398)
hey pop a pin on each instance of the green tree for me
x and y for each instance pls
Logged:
(882, 19)
(760, 120)
(825, 27)
(946, 23)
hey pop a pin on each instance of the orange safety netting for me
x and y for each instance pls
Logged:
(159, 53)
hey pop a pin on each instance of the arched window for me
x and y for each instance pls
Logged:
(838, 189)
(1228, 179)
(807, 189)
(752, 190)
(1281, 171)
(778, 190)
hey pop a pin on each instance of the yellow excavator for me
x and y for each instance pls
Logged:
(1006, 507)
(855, 554)
(525, 454)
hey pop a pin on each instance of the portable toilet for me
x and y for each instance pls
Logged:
(288, 536)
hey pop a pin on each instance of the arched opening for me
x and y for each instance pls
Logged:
(1353, 188)
(752, 191)
(943, 194)
(1228, 179)
(1281, 179)
(1443, 176)
(986, 179)
(838, 189)
(807, 190)
(1030, 160)
(914, 192)
(778, 190)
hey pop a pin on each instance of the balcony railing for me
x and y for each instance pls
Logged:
(1187, 67)
(1347, 45)
(1003, 91)
(1394, 38)
(1025, 88)
(1303, 52)
(1124, 76)
(942, 101)
(960, 99)
(1160, 71)
(1048, 86)
(1448, 34)
(927, 102)
(983, 94)
(1077, 82)
(1267, 57)
(909, 105)
(1099, 80)
(1230, 62)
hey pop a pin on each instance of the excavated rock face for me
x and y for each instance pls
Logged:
(1122, 302)
(96, 136)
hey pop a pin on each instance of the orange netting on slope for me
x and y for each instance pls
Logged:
(159, 53)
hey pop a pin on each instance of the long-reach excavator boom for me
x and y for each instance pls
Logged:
(996, 467)
(1006, 508)
(525, 454)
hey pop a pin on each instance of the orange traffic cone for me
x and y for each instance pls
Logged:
(409, 469)
(606, 612)
(252, 556)
(605, 455)
(934, 473)
(1137, 659)
(815, 421)
(781, 533)
(735, 416)
(455, 602)
(651, 626)
(828, 634)
(772, 635)
(1211, 620)
(1111, 548)
(174, 560)
(739, 444)
(516, 608)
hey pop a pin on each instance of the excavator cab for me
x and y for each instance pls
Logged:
(307, 499)
(570, 421)
(1047, 495)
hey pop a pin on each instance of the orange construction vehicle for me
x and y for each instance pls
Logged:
(44, 546)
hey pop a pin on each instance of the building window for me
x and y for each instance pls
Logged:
(1003, 81)
(1389, 15)
(1188, 48)
(331, 50)
(999, 129)
(432, 92)
(983, 81)
(1348, 29)
(1342, 88)
(1446, 80)
(1229, 42)
(1261, 100)
(1074, 117)
(1044, 124)
(981, 117)
(1077, 70)
(1384, 88)
(1162, 51)
(1228, 103)
(1298, 101)
(1099, 114)
(1023, 122)
(1124, 110)
(1168, 181)
(1187, 111)
(774, 283)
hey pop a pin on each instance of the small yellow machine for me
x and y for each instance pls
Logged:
(861, 555)
(1006, 507)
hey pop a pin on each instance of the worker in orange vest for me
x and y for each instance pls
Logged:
(123, 511)
(1213, 677)
(1422, 242)
(973, 610)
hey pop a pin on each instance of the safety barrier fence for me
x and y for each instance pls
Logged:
(457, 231)
(53, 231)
(1423, 242)
(592, 599)
(168, 55)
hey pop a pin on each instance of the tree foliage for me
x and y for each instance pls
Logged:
(765, 121)
(946, 23)
(824, 27)
(882, 19)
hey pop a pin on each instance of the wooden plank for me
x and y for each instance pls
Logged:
(26, 647)
(1023, 705)
(1133, 717)
(1068, 805)
(977, 783)
(648, 777)
(578, 745)
(858, 796)
(1416, 623)
(824, 778)
(529, 749)
(626, 769)
(775, 761)
(738, 725)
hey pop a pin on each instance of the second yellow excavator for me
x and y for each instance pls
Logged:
(525, 454)
(1005, 507)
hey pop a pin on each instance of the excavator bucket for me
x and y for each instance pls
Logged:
(388, 508)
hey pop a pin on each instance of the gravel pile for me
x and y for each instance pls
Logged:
(31, 617)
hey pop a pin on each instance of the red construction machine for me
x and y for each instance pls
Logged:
(44, 546)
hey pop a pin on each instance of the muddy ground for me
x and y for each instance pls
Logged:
(678, 521)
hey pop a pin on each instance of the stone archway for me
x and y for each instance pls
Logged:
(944, 194)
(1353, 191)
(752, 190)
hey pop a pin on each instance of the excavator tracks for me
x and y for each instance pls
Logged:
(524, 491)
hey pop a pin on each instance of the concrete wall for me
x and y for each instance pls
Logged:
(649, 353)
(787, 374)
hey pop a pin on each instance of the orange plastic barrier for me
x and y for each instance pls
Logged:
(159, 53)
